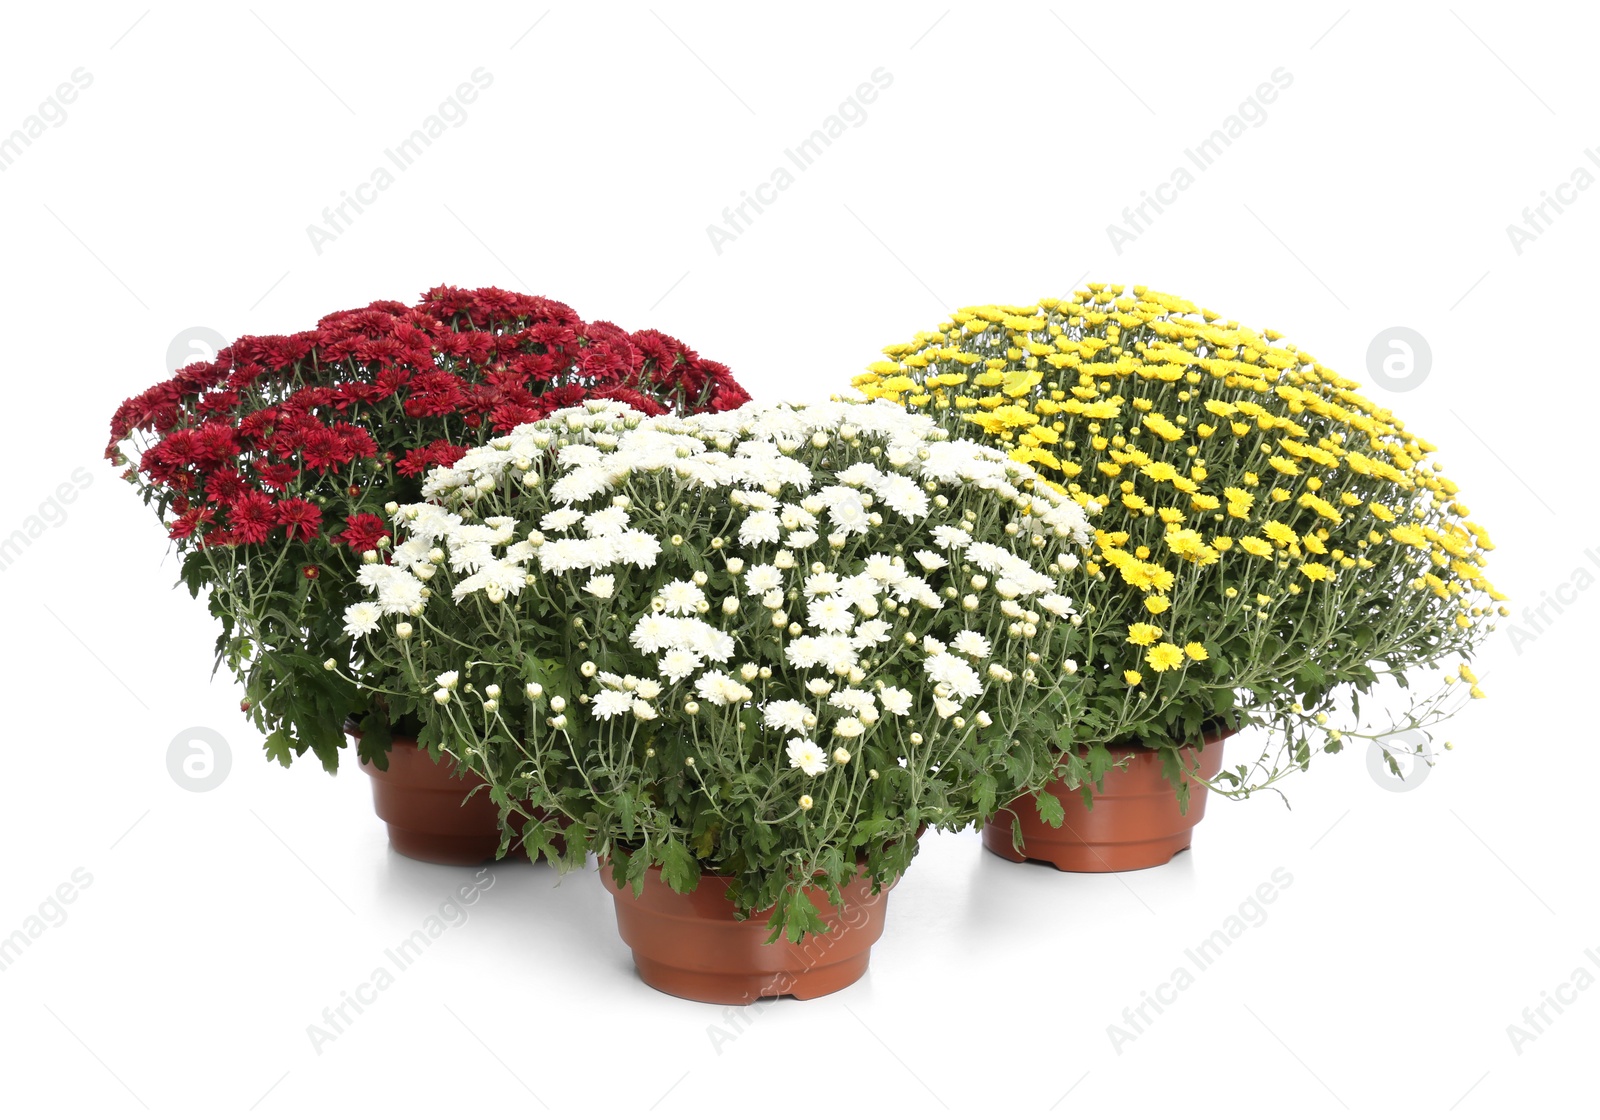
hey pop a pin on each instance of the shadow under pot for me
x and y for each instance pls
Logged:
(692, 946)
(1134, 823)
(425, 806)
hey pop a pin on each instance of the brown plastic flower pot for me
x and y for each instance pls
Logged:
(1134, 823)
(692, 946)
(424, 804)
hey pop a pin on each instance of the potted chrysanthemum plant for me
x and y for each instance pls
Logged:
(747, 657)
(1270, 547)
(275, 466)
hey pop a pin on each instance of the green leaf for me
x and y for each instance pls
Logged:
(376, 739)
(800, 915)
(678, 867)
(1050, 810)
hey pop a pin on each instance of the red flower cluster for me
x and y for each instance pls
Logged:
(373, 398)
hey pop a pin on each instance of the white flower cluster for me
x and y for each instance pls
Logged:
(858, 550)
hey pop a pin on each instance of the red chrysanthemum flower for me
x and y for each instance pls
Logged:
(299, 518)
(363, 531)
(251, 518)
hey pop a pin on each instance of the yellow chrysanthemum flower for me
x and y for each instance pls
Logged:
(1163, 657)
(1142, 633)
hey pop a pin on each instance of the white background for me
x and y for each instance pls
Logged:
(1377, 193)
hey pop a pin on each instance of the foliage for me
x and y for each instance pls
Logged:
(1269, 543)
(276, 462)
(772, 644)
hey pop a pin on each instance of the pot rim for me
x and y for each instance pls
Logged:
(1208, 739)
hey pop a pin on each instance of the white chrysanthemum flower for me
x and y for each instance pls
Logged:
(361, 619)
(945, 707)
(857, 700)
(653, 633)
(636, 548)
(581, 484)
(798, 517)
(400, 593)
(763, 578)
(564, 554)
(601, 587)
(860, 588)
(560, 520)
(648, 689)
(801, 538)
(849, 728)
(804, 652)
(903, 496)
(947, 669)
(896, 701)
(605, 522)
(873, 632)
(676, 664)
(932, 645)
(832, 614)
(682, 597)
(881, 568)
(610, 703)
(721, 689)
(849, 516)
(971, 643)
(1058, 605)
(497, 576)
(447, 679)
(988, 557)
(807, 757)
(760, 527)
(784, 715)
(821, 584)
(930, 561)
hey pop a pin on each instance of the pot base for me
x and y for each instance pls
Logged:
(693, 947)
(430, 818)
(741, 991)
(1073, 854)
(1133, 824)
(438, 847)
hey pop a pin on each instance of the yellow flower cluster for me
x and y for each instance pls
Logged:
(1232, 477)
